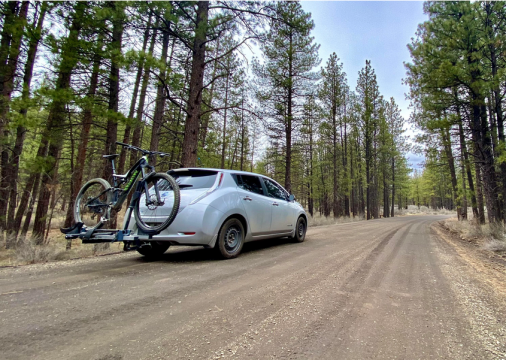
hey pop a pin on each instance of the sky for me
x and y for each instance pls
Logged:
(370, 30)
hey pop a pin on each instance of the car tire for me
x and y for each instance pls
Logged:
(153, 249)
(230, 239)
(300, 230)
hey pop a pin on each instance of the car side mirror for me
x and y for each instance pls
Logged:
(291, 197)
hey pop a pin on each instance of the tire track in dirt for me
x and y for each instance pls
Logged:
(76, 326)
(366, 286)
(359, 270)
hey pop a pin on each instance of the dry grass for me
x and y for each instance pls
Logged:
(495, 245)
(489, 237)
(54, 249)
(27, 252)
(319, 220)
(422, 210)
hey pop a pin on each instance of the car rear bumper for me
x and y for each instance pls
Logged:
(196, 224)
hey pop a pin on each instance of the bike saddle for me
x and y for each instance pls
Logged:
(110, 157)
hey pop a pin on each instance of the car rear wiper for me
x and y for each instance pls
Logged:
(184, 185)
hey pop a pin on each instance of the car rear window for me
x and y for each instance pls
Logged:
(194, 179)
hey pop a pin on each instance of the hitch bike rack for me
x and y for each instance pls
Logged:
(97, 235)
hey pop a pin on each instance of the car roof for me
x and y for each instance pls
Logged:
(221, 170)
(227, 171)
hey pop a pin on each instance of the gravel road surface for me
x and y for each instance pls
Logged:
(384, 289)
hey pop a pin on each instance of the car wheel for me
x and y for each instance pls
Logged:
(153, 249)
(230, 239)
(300, 230)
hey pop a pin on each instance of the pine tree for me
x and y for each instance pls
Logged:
(333, 95)
(369, 97)
(286, 76)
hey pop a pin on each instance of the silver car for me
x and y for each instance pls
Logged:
(223, 209)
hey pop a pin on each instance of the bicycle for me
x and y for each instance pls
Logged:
(159, 192)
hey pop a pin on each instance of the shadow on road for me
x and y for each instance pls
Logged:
(199, 254)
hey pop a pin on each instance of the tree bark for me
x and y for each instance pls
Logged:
(224, 141)
(207, 116)
(445, 134)
(345, 167)
(133, 102)
(392, 212)
(191, 132)
(469, 174)
(12, 225)
(29, 195)
(53, 136)
(138, 125)
(488, 169)
(160, 96)
(112, 121)
(310, 197)
(479, 193)
(9, 55)
(136, 137)
(112, 118)
(77, 179)
(243, 131)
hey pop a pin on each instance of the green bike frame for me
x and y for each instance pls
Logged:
(120, 195)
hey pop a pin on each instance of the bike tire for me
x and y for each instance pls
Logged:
(144, 217)
(79, 212)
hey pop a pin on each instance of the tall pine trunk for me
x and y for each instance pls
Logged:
(160, 96)
(289, 118)
(392, 212)
(53, 137)
(445, 134)
(136, 136)
(77, 178)
(13, 28)
(133, 102)
(207, 116)
(112, 122)
(12, 224)
(191, 131)
(224, 141)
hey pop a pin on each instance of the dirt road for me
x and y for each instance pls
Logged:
(387, 289)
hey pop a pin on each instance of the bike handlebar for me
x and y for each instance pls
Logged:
(148, 152)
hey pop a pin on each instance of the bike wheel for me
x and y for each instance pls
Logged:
(156, 210)
(92, 203)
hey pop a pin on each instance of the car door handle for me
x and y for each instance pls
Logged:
(275, 204)
(247, 198)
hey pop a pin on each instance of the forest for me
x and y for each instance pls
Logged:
(240, 85)
(457, 85)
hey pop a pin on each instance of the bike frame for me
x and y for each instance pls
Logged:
(129, 178)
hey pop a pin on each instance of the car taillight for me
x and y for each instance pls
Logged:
(208, 192)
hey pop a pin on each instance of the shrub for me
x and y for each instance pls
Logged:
(29, 253)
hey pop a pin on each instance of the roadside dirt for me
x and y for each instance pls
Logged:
(488, 266)
(479, 283)
(383, 289)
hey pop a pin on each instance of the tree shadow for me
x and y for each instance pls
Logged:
(193, 254)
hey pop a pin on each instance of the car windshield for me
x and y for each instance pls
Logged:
(194, 179)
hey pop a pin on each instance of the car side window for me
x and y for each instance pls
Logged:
(273, 190)
(250, 183)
